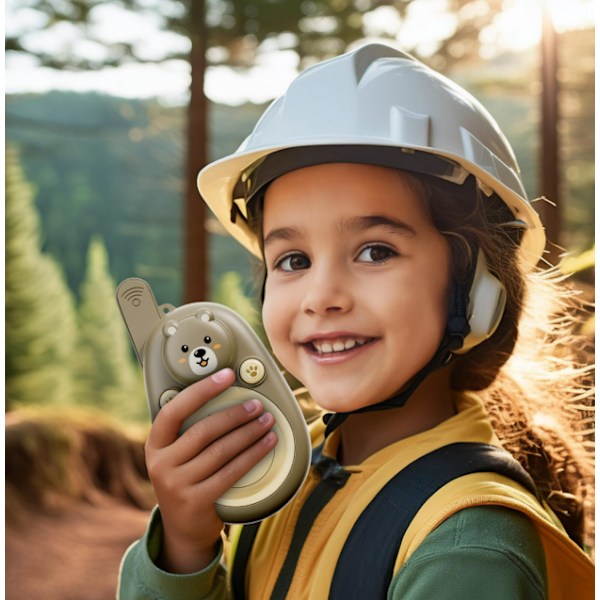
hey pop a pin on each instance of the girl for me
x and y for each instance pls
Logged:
(400, 288)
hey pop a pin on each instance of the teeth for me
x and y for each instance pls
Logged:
(338, 345)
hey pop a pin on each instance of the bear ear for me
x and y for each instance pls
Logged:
(204, 315)
(169, 328)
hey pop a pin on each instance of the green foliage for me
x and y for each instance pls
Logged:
(578, 265)
(577, 136)
(40, 314)
(54, 355)
(112, 167)
(230, 292)
(106, 376)
(109, 167)
(581, 262)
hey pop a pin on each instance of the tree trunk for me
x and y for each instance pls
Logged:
(550, 160)
(196, 238)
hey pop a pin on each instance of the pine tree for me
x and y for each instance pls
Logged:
(230, 291)
(106, 374)
(40, 314)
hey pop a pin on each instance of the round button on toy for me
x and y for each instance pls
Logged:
(252, 371)
(167, 396)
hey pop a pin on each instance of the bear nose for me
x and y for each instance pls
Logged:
(199, 353)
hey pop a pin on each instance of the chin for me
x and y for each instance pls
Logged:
(337, 401)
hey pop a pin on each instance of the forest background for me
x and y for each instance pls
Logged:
(97, 190)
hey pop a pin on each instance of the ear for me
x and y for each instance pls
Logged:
(169, 328)
(204, 315)
(487, 299)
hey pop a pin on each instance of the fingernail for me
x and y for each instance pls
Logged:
(221, 376)
(270, 438)
(265, 418)
(251, 405)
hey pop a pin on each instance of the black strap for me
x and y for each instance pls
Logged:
(333, 478)
(457, 329)
(441, 357)
(242, 553)
(365, 566)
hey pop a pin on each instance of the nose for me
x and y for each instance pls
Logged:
(199, 353)
(328, 291)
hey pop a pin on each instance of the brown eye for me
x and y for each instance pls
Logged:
(376, 253)
(293, 262)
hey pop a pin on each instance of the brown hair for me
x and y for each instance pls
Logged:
(531, 373)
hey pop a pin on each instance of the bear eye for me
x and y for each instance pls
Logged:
(184, 348)
(207, 340)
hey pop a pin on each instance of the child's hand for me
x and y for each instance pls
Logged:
(192, 471)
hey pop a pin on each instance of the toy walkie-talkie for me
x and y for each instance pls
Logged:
(178, 346)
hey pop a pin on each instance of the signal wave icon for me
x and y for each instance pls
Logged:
(133, 295)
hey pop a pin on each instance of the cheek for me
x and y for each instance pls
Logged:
(431, 287)
(438, 289)
(274, 316)
(268, 319)
(278, 314)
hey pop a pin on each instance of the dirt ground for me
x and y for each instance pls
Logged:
(77, 495)
(73, 554)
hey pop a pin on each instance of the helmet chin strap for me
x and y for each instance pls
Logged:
(457, 329)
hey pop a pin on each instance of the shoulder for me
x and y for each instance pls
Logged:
(489, 550)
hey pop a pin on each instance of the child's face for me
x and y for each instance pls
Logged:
(357, 278)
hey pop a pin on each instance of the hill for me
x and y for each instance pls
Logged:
(77, 495)
(112, 167)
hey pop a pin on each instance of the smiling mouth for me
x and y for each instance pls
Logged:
(203, 362)
(337, 346)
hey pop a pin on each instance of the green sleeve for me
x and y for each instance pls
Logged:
(141, 579)
(480, 553)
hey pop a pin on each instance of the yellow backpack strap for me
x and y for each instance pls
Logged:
(570, 570)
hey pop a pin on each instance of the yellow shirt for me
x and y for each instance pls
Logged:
(567, 564)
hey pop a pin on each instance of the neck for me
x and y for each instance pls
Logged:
(363, 434)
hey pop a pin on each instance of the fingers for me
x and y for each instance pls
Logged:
(203, 433)
(215, 465)
(232, 471)
(211, 455)
(170, 418)
(226, 447)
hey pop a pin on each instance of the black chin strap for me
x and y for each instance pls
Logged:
(456, 331)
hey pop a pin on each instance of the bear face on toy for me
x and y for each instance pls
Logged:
(196, 346)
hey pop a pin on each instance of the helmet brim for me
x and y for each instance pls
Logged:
(217, 181)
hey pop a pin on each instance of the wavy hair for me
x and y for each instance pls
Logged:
(534, 374)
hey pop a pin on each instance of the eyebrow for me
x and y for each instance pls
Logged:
(350, 225)
(363, 223)
(282, 233)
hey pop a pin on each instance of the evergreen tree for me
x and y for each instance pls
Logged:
(40, 314)
(106, 375)
(230, 292)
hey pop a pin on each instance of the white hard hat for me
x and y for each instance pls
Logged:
(375, 105)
